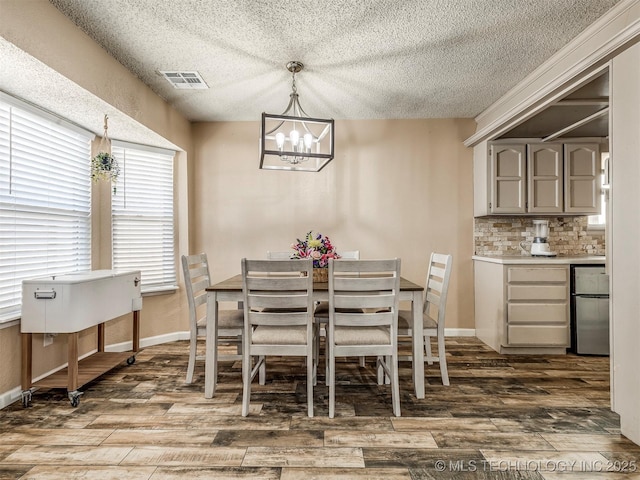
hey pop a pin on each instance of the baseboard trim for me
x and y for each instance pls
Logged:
(459, 332)
(148, 342)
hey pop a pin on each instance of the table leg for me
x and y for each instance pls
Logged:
(418, 345)
(211, 346)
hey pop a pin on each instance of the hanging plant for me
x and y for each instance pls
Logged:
(104, 165)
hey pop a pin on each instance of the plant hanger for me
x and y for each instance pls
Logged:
(104, 166)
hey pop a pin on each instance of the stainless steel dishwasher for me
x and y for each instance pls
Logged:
(589, 310)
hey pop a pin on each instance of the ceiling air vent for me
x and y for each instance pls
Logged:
(185, 80)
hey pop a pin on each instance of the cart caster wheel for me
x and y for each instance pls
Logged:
(131, 360)
(74, 398)
(26, 398)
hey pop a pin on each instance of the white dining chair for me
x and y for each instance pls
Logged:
(433, 312)
(321, 313)
(363, 318)
(322, 309)
(278, 309)
(230, 322)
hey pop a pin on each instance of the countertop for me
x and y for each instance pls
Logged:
(529, 260)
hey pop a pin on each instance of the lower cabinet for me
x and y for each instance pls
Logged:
(522, 308)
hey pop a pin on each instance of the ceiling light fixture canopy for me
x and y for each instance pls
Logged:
(293, 140)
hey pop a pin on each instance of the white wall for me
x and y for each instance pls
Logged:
(625, 240)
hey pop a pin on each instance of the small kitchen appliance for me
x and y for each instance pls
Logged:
(539, 246)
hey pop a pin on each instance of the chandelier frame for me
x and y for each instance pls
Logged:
(295, 153)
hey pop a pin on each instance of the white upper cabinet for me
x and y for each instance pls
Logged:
(582, 178)
(540, 179)
(544, 178)
(507, 176)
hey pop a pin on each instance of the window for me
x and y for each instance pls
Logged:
(597, 222)
(142, 215)
(45, 199)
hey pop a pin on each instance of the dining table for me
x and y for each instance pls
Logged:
(230, 290)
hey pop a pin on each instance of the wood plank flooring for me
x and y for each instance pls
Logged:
(503, 417)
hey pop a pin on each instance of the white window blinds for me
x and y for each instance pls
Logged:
(142, 215)
(45, 200)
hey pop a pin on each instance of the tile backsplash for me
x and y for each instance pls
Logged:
(567, 236)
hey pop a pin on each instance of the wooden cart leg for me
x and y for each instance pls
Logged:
(101, 337)
(26, 370)
(136, 330)
(72, 380)
(26, 361)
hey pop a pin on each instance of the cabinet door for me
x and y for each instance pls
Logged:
(544, 178)
(582, 178)
(507, 179)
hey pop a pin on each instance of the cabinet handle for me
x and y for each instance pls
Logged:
(45, 295)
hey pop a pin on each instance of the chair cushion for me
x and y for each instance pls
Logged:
(405, 320)
(273, 335)
(362, 336)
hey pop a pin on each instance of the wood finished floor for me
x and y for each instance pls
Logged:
(523, 417)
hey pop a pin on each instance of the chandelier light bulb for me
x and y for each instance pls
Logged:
(308, 141)
(280, 140)
(294, 138)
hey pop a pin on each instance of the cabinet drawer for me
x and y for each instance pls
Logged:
(537, 274)
(537, 292)
(537, 313)
(548, 335)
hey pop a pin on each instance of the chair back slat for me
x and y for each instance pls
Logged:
(287, 300)
(437, 286)
(276, 283)
(357, 266)
(349, 300)
(364, 284)
(275, 266)
(437, 271)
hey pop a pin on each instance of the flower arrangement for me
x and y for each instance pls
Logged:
(104, 166)
(317, 247)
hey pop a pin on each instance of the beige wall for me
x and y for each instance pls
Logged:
(624, 258)
(396, 188)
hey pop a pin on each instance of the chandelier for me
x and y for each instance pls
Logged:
(293, 140)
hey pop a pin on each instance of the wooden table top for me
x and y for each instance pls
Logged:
(235, 284)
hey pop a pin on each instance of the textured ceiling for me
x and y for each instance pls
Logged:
(363, 59)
